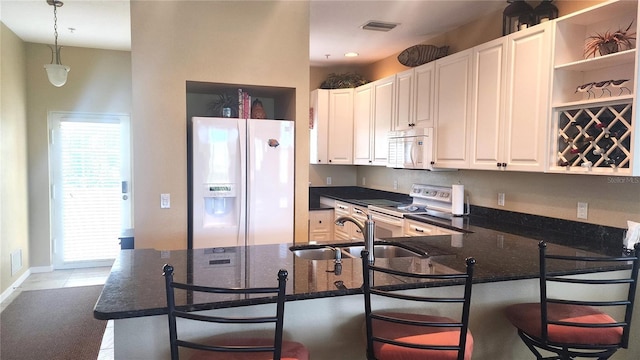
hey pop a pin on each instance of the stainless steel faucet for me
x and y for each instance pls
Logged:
(367, 230)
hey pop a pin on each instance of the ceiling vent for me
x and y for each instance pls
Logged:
(379, 26)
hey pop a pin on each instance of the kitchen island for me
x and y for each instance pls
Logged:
(324, 309)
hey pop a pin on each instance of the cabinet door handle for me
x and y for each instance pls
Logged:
(419, 230)
(498, 164)
(504, 165)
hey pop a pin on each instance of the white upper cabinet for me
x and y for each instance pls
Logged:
(373, 116)
(362, 125)
(594, 100)
(383, 117)
(331, 138)
(319, 132)
(487, 119)
(414, 97)
(511, 101)
(341, 126)
(527, 98)
(452, 110)
(423, 89)
(404, 118)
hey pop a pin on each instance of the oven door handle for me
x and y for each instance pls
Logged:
(385, 219)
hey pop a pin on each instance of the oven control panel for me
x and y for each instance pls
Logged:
(431, 193)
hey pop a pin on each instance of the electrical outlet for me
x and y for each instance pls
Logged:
(328, 180)
(395, 184)
(501, 199)
(165, 201)
(583, 210)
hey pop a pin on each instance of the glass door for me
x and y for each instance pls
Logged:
(90, 187)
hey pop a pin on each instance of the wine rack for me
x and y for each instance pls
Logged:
(597, 136)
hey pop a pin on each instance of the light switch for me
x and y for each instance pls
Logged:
(165, 201)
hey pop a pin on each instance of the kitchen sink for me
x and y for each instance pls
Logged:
(382, 251)
(315, 254)
(328, 253)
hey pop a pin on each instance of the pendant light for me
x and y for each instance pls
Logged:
(56, 72)
(518, 15)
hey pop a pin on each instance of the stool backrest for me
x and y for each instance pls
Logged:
(464, 301)
(175, 312)
(597, 285)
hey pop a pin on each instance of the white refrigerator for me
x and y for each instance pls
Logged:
(242, 182)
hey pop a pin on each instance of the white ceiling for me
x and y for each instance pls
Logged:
(335, 24)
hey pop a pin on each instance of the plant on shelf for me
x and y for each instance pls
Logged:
(609, 42)
(224, 100)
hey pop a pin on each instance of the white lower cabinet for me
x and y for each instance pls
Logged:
(343, 232)
(349, 231)
(321, 225)
(418, 228)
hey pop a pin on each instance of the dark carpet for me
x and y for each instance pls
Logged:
(53, 324)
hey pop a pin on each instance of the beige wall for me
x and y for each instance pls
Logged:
(99, 82)
(237, 42)
(484, 29)
(612, 200)
(14, 224)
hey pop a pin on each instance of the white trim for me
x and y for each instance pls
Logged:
(41, 269)
(7, 293)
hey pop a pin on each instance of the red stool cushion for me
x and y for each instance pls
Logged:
(291, 350)
(526, 317)
(418, 335)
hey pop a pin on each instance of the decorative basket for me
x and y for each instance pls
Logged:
(421, 54)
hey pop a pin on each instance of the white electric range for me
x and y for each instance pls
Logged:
(439, 201)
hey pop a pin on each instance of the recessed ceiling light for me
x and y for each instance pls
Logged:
(379, 25)
(351, 54)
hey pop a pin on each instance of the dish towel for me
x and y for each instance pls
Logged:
(633, 235)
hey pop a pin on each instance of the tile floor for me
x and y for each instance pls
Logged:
(70, 278)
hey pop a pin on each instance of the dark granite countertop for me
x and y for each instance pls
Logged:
(503, 243)
(135, 286)
(353, 194)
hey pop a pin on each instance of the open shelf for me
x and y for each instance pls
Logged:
(600, 62)
(279, 102)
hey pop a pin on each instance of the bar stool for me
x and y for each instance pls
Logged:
(232, 347)
(571, 327)
(407, 336)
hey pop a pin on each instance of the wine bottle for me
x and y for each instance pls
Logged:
(617, 156)
(581, 120)
(567, 163)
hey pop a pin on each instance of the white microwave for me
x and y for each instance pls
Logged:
(411, 149)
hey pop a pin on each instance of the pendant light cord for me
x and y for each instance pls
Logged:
(55, 32)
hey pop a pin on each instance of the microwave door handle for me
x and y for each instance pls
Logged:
(414, 149)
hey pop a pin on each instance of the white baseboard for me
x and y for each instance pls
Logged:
(41, 269)
(5, 295)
